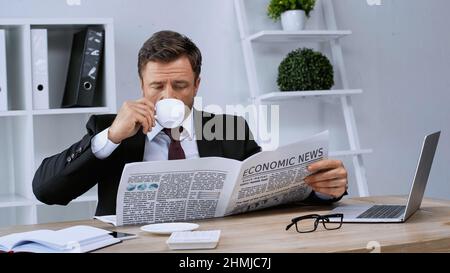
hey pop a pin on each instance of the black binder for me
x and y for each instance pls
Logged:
(85, 62)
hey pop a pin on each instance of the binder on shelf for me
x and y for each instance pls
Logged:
(39, 56)
(83, 74)
(3, 79)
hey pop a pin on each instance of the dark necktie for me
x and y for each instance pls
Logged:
(175, 149)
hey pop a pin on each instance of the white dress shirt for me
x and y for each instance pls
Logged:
(156, 143)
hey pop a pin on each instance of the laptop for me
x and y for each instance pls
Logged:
(396, 213)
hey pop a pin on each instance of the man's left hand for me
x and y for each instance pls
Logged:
(329, 177)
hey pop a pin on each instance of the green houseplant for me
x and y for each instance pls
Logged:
(305, 69)
(293, 13)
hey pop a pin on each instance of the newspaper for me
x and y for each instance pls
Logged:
(179, 190)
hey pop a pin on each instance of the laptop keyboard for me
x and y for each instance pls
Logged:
(383, 212)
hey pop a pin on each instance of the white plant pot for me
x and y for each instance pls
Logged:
(293, 20)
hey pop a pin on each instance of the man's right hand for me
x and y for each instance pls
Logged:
(132, 115)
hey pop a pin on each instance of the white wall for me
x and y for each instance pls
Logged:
(398, 53)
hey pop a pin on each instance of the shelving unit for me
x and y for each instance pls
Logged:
(89, 110)
(13, 113)
(27, 135)
(350, 153)
(280, 36)
(13, 200)
(329, 35)
(279, 96)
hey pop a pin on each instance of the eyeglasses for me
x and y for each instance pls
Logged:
(309, 223)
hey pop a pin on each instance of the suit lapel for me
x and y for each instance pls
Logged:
(206, 148)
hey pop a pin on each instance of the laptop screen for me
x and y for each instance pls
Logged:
(422, 173)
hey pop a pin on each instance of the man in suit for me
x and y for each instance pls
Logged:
(169, 66)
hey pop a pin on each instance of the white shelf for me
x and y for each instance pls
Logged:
(89, 197)
(14, 200)
(62, 111)
(277, 36)
(14, 113)
(69, 22)
(350, 153)
(289, 95)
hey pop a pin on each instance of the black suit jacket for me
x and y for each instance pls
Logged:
(67, 175)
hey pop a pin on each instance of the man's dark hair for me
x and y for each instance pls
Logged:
(167, 46)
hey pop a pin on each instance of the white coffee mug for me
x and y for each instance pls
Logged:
(170, 113)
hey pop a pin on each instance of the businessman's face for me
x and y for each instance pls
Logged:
(170, 80)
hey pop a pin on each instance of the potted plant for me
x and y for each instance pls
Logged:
(293, 13)
(304, 70)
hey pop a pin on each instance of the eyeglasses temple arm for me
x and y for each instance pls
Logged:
(290, 225)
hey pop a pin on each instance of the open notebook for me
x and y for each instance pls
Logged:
(75, 239)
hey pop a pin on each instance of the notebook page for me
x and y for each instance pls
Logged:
(9, 241)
